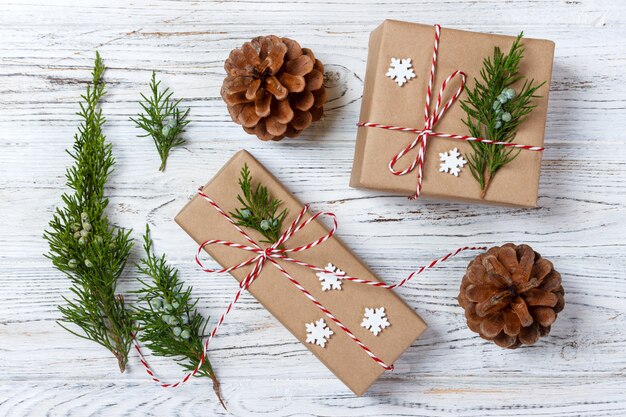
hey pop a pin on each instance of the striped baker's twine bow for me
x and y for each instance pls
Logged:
(429, 123)
(273, 254)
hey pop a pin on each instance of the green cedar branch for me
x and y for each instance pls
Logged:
(259, 209)
(494, 119)
(162, 120)
(82, 244)
(169, 324)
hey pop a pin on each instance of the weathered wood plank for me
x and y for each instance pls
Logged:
(424, 397)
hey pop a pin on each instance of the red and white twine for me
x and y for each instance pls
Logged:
(430, 119)
(273, 254)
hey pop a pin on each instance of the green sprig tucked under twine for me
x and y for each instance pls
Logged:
(169, 323)
(259, 209)
(83, 245)
(495, 110)
(162, 120)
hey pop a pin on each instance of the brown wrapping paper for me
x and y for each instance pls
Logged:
(281, 298)
(385, 102)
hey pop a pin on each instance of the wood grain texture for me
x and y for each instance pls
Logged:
(46, 51)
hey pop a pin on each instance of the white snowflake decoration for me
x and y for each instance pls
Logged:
(451, 162)
(400, 70)
(375, 320)
(330, 281)
(317, 333)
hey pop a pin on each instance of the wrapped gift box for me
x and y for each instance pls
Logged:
(284, 301)
(385, 102)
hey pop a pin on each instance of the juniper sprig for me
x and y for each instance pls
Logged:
(260, 209)
(82, 244)
(168, 322)
(495, 111)
(162, 120)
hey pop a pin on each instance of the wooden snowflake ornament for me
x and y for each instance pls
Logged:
(317, 333)
(400, 70)
(375, 320)
(451, 162)
(330, 280)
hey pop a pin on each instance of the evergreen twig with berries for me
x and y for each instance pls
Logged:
(168, 321)
(260, 209)
(83, 245)
(495, 111)
(162, 120)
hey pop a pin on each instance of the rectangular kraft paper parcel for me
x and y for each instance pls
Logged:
(385, 102)
(284, 301)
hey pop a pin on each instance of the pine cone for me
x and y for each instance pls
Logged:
(511, 295)
(274, 88)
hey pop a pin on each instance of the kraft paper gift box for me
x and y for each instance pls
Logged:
(387, 103)
(284, 301)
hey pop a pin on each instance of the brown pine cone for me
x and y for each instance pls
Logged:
(511, 295)
(274, 88)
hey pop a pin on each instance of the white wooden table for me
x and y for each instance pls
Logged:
(46, 52)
